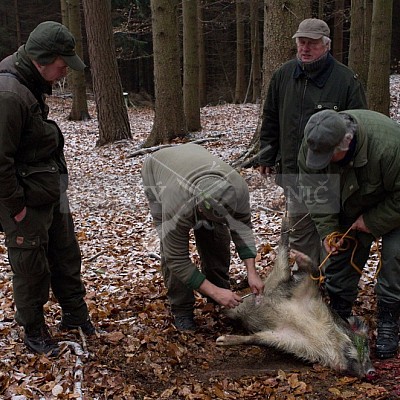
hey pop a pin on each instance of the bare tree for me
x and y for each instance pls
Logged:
(279, 47)
(169, 118)
(191, 99)
(71, 17)
(240, 87)
(17, 23)
(202, 56)
(337, 42)
(379, 63)
(111, 110)
(255, 49)
(358, 50)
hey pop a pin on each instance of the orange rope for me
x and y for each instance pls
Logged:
(333, 240)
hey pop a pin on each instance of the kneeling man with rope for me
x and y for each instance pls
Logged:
(349, 171)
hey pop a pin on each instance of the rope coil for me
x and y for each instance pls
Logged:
(342, 242)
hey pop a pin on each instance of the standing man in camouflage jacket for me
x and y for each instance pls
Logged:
(34, 212)
(311, 82)
(190, 189)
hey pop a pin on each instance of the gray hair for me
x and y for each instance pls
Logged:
(351, 128)
(325, 41)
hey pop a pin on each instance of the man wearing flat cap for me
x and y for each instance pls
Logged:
(190, 190)
(362, 149)
(311, 82)
(34, 212)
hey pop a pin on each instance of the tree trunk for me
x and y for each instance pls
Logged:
(111, 110)
(278, 43)
(240, 87)
(321, 4)
(358, 53)
(379, 66)
(279, 46)
(255, 50)
(367, 45)
(337, 44)
(169, 120)
(191, 100)
(202, 56)
(79, 109)
(17, 23)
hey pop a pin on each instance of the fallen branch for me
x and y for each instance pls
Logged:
(95, 256)
(78, 373)
(154, 255)
(242, 161)
(161, 146)
(270, 210)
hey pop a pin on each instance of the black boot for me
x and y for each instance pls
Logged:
(387, 341)
(87, 327)
(341, 306)
(41, 342)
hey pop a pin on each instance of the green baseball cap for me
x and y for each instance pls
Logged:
(323, 132)
(51, 39)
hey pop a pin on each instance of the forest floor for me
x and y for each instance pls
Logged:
(139, 354)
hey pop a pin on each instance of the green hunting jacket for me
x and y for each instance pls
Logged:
(293, 96)
(169, 177)
(33, 170)
(369, 184)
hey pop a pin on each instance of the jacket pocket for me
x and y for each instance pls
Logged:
(41, 183)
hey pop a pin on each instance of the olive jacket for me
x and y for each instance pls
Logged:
(170, 177)
(33, 170)
(369, 184)
(293, 96)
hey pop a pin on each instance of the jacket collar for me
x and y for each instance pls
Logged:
(318, 77)
(29, 73)
(361, 153)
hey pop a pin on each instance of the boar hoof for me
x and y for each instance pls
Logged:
(221, 340)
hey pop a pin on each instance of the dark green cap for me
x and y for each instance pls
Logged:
(51, 39)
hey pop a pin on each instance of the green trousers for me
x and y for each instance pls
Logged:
(43, 253)
(341, 279)
(213, 247)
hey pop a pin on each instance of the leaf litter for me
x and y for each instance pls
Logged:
(139, 354)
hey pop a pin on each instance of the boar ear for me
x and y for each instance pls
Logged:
(358, 325)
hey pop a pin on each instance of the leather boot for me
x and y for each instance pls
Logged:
(341, 306)
(40, 341)
(387, 341)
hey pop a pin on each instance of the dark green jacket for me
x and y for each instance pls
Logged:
(32, 165)
(370, 184)
(293, 97)
(169, 178)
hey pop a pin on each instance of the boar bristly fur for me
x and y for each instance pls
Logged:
(293, 316)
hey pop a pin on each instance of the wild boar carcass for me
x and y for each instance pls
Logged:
(293, 316)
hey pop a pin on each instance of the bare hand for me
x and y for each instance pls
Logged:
(21, 215)
(227, 298)
(359, 225)
(264, 170)
(256, 283)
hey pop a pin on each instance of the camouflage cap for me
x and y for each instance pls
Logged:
(51, 39)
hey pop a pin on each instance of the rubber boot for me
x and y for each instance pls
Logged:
(387, 341)
(341, 306)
